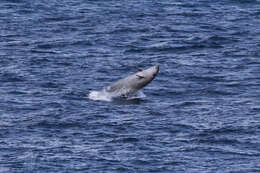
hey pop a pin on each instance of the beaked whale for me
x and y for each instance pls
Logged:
(126, 87)
(131, 84)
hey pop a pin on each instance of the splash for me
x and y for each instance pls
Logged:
(110, 96)
(100, 95)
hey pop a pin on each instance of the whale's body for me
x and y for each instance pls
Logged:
(126, 87)
(131, 84)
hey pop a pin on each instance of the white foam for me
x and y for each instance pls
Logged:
(99, 95)
(109, 96)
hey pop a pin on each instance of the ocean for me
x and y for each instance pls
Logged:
(200, 114)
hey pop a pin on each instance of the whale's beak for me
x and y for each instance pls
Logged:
(156, 70)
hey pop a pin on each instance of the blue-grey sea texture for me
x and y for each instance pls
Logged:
(200, 114)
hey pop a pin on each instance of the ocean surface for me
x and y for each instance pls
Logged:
(200, 114)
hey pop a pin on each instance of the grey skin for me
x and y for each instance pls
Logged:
(131, 84)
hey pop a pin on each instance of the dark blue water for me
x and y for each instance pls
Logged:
(200, 114)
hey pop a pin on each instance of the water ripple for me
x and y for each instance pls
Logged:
(201, 113)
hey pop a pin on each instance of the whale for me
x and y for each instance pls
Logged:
(127, 87)
(131, 84)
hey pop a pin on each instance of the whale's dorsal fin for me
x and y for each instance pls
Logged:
(140, 77)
